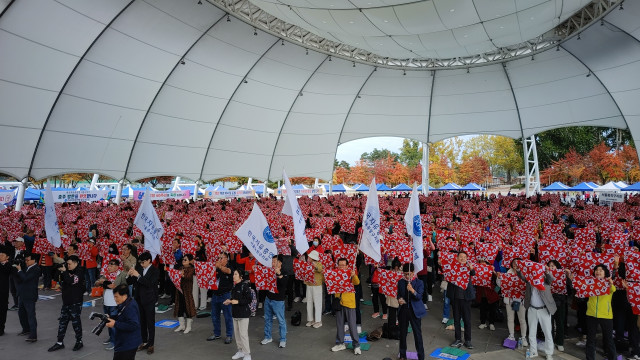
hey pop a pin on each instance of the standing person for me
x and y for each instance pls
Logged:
(72, 284)
(200, 292)
(599, 313)
(109, 281)
(393, 305)
(91, 265)
(5, 274)
(274, 304)
(488, 299)
(126, 325)
(145, 291)
(558, 319)
(314, 292)
(225, 284)
(239, 301)
(411, 310)
(378, 297)
(513, 306)
(185, 305)
(27, 288)
(347, 312)
(461, 302)
(540, 307)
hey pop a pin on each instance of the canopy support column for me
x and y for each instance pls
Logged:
(531, 168)
(119, 192)
(425, 169)
(94, 182)
(21, 189)
(195, 190)
(175, 184)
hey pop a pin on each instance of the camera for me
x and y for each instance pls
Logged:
(104, 319)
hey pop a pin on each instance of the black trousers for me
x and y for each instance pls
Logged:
(487, 311)
(607, 337)
(125, 355)
(4, 306)
(70, 313)
(462, 309)
(147, 323)
(406, 317)
(27, 316)
(378, 298)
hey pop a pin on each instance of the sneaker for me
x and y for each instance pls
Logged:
(510, 337)
(165, 296)
(309, 323)
(304, 300)
(482, 326)
(56, 346)
(581, 343)
(445, 320)
(375, 315)
(338, 347)
(213, 337)
(317, 325)
(227, 340)
(533, 355)
(384, 316)
(79, 345)
(357, 351)
(266, 341)
(86, 293)
(253, 314)
(429, 298)
(468, 345)
(326, 313)
(456, 344)
(492, 327)
(110, 347)
(247, 357)
(359, 329)
(106, 342)
(238, 355)
(634, 357)
(549, 357)
(561, 348)
(259, 305)
(426, 307)
(282, 345)
(296, 299)
(525, 343)
(13, 308)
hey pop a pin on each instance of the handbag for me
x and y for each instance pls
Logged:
(335, 304)
(515, 305)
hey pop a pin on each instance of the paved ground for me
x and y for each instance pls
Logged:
(301, 341)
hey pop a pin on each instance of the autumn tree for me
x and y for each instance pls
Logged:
(630, 167)
(360, 173)
(474, 169)
(602, 165)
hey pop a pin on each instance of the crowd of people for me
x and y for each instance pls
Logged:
(537, 259)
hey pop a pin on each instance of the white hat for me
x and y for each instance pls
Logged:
(313, 255)
(20, 239)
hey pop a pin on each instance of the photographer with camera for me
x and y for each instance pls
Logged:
(71, 282)
(112, 278)
(26, 276)
(126, 325)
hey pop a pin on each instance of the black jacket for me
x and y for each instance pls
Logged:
(145, 287)
(225, 281)
(469, 293)
(282, 288)
(27, 283)
(72, 285)
(5, 272)
(241, 292)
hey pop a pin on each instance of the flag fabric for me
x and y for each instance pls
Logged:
(587, 286)
(633, 294)
(512, 286)
(483, 275)
(347, 251)
(206, 275)
(50, 218)
(414, 228)
(256, 236)
(303, 271)
(388, 280)
(265, 278)
(533, 272)
(632, 263)
(148, 222)
(370, 242)
(559, 284)
(292, 208)
(455, 273)
(488, 251)
(174, 275)
(338, 281)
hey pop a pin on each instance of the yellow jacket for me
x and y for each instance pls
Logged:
(600, 306)
(348, 300)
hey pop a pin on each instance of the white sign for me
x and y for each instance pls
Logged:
(51, 219)
(229, 194)
(610, 197)
(300, 192)
(256, 236)
(80, 195)
(163, 195)
(7, 197)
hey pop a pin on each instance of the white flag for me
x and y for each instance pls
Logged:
(256, 236)
(292, 208)
(370, 242)
(414, 227)
(148, 222)
(50, 218)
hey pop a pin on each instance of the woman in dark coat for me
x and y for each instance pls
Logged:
(240, 300)
(185, 307)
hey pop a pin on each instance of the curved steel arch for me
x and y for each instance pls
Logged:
(7, 7)
(433, 84)
(275, 147)
(64, 86)
(622, 30)
(206, 154)
(333, 167)
(146, 114)
(515, 100)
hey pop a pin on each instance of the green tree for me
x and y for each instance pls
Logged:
(341, 163)
(376, 155)
(410, 153)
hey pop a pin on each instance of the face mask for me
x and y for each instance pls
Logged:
(315, 243)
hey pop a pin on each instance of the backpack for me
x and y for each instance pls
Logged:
(296, 318)
(253, 306)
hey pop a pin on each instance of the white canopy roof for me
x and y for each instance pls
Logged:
(610, 186)
(132, 89)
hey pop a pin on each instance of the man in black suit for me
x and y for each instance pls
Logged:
(5, 272)
(145, 290)
(26, 277)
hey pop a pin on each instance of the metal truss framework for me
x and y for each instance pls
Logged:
(531, 169)
(253, 15)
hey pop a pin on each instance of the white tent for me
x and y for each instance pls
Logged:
(608, 187)
(133, 89)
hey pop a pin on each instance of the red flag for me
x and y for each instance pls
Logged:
(303, 271)
(483, 275)
(265, 278)
(175, 277)
(633, 294)
(488, 251)
(388, 280)
(587, 286)
(455, 273)
(338, 281)
(512, 286)
(533, 272)
(206, 275)
(559, 284)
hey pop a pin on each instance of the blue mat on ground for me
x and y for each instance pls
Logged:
(440, 355)
(89, 303)
(347, 339)
(168, 324)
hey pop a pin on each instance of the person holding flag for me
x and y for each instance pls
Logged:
(411, 310)
(292, 208)
(370, 241)
(147, 220)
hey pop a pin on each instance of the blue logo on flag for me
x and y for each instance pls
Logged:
(267, 235)
(417, 229)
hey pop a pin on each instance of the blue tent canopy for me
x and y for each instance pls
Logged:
(472, 187)
(31, 194)
(335, 188)
(583, 186)
(297, 187)
(592, 184)
(361, 187)
(633, 187)
(259, 188)
(449, 186)
(556, 186)
(401, 187)
(382, 187)
(431, 188)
